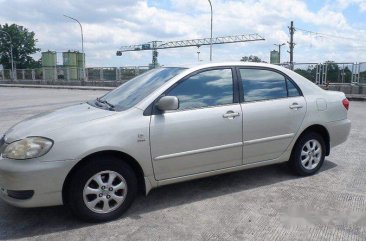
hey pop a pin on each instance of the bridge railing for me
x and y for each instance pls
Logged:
(320, 73)
(74, 74)
(333, 73)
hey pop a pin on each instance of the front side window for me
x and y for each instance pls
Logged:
(259, 84)
(208, 88)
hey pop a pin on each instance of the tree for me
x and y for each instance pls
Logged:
(24, 44)
(251, 58)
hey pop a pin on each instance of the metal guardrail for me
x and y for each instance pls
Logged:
(333, 73)
(75, 74)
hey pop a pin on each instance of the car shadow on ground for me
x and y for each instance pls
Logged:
(18, 223)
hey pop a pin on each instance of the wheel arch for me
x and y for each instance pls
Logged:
(123, 156)
(321, 130)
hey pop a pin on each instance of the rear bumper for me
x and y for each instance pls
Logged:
(31, 183)
(338, 131)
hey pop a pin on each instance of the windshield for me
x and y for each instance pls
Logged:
(136, 89)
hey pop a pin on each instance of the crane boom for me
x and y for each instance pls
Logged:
(192, 42)
(155, 45)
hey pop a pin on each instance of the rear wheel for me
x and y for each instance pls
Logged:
(308, 154)
(101, 190)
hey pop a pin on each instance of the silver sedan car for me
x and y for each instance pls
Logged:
(169, 125)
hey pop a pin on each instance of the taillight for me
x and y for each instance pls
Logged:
(345, 103)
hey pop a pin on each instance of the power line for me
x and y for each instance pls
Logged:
(327, 35)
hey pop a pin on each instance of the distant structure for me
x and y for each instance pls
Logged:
(275, 57)
(73, 62)
(49, 61)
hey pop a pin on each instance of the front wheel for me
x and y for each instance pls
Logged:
(102, 190)
(308, 154)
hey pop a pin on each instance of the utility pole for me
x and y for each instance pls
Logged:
(292, 44)
(155, 54)
(211, 30)
(279, 51)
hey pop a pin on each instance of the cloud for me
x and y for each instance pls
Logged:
(112, 23)
(343, 4)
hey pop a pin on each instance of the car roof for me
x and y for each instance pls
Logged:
(200, 65)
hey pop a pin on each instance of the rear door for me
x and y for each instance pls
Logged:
(273, 110)
(205, 133)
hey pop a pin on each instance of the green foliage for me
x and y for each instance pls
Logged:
(308, 73)
(24, 45)
(251, 58)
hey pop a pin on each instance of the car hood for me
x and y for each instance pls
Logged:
(40, 125)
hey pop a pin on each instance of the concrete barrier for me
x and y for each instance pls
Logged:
(355, 90)
(100, 83)
(363, 90)
(346, 88)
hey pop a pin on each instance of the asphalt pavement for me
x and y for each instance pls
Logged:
(267, 203)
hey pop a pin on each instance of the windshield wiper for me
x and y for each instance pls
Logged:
(111, 107)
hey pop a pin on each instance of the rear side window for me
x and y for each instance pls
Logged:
(292, 90)
(260, 84)
(208, 88)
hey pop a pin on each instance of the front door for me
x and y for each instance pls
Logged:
(205, 133)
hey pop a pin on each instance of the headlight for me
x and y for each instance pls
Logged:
(27, 148)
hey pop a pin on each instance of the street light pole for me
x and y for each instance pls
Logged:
(211, 31)
(279, 50)
(198, 52)
(82, 43)
(11, 53)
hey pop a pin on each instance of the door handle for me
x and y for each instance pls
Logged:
(230, 115)
(295, 106)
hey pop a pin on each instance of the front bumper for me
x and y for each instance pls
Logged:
(44, 180)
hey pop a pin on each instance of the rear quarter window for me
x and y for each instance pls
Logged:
(292, 89)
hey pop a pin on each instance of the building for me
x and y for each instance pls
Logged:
(275, 57)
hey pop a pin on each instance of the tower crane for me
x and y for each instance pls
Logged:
(155, 45)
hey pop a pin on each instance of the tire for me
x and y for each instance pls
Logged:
(102, 190)
(308, 154)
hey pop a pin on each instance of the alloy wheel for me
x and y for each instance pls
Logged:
(105, 192)
(311, 154)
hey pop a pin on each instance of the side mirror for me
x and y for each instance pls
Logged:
(168, 103)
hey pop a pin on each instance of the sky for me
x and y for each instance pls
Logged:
(335, 30)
